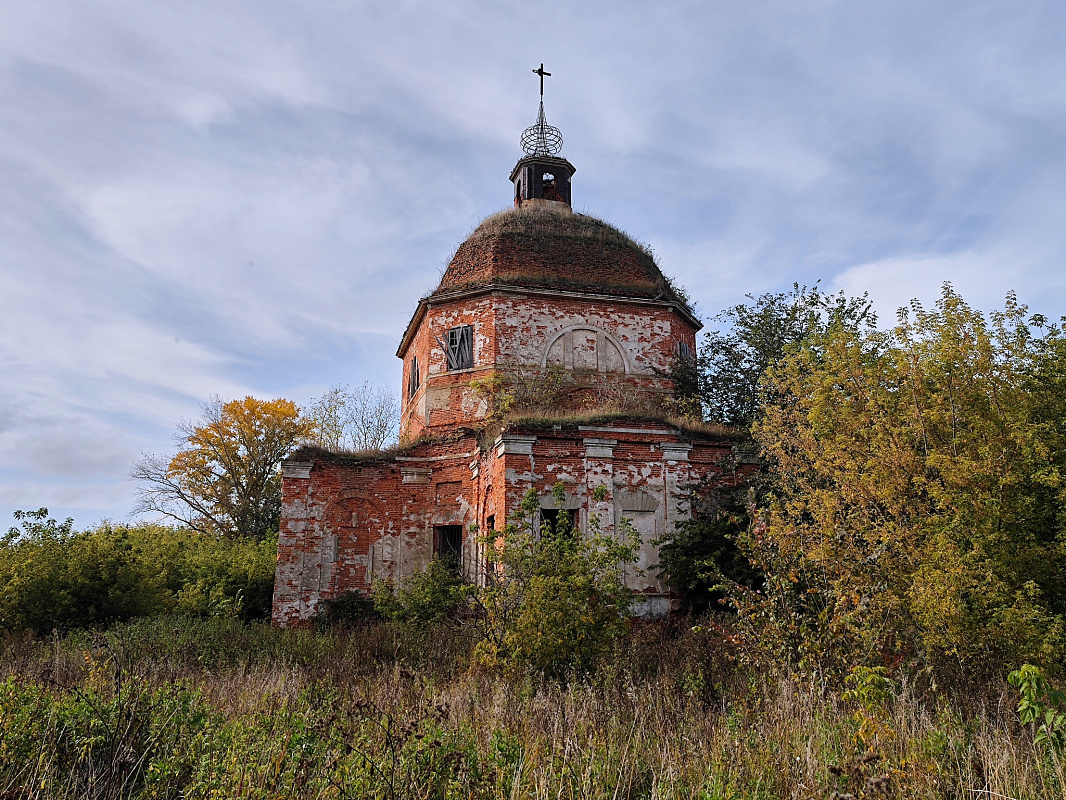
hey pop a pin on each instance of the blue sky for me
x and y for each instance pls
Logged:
(233, 198)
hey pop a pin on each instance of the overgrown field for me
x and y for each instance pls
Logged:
(179, 707)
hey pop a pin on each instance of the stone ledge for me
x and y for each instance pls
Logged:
(414, 475)
(675, 451)
(295, 469)
(514, 444)
(599, 448)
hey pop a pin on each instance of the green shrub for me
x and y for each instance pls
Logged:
(559, 601)
(424, 598)
(701, 554)
(1041, 705)
(54, 577)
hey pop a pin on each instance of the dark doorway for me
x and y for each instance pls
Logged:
(448, 544)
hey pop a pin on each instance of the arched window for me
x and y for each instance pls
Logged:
(585, 348)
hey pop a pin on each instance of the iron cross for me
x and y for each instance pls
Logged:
(542, 74)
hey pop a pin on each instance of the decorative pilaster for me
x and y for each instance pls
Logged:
(675, 476)
(599, 471)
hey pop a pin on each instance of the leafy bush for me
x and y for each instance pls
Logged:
(920, 503)
(1043, 706)
(54, 577)
(558, 600)
(424, 598)
(701, 555)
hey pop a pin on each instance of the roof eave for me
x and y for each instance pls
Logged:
(541, 160)
(412, 326)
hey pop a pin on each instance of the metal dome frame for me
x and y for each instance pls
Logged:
(542, 139)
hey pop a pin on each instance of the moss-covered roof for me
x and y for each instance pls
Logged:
(572, 420)
(314, 452)
(310, 452)
(546, 247)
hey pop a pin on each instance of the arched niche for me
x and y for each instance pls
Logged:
(585, 348)
(351, 509)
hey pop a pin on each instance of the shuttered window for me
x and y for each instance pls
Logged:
(461, 347)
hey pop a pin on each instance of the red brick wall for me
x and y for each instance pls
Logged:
(512, 328)
(324, 551)
(345, 522)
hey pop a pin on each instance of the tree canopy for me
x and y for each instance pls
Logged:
(224, 479)
(919, 505)
(363, 418)
(755, 336)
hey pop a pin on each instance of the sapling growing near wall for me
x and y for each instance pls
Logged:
(556, 599)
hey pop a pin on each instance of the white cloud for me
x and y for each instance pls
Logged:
(983, 279)
(247, 197)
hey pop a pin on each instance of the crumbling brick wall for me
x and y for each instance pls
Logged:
(347, 521)
(600, 341)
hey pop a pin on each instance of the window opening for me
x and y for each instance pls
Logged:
(558, 524)
(460, 348)
(490, 542)
(448, 545)
(414, 379)
(683, 350)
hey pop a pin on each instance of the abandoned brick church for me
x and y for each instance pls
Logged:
(537, 296)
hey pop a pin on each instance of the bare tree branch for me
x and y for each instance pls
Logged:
(363, 418)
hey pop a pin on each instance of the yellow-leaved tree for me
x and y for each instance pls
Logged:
(920, 510)
(224, 480)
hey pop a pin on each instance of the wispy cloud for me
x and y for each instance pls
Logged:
(248, 197)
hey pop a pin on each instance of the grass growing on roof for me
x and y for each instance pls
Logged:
(542, 225)
(543, 418)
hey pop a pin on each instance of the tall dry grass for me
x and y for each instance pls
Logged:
(179, 708)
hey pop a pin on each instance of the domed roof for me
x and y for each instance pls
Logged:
(550, 247)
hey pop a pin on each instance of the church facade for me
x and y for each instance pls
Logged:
(548, 301)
